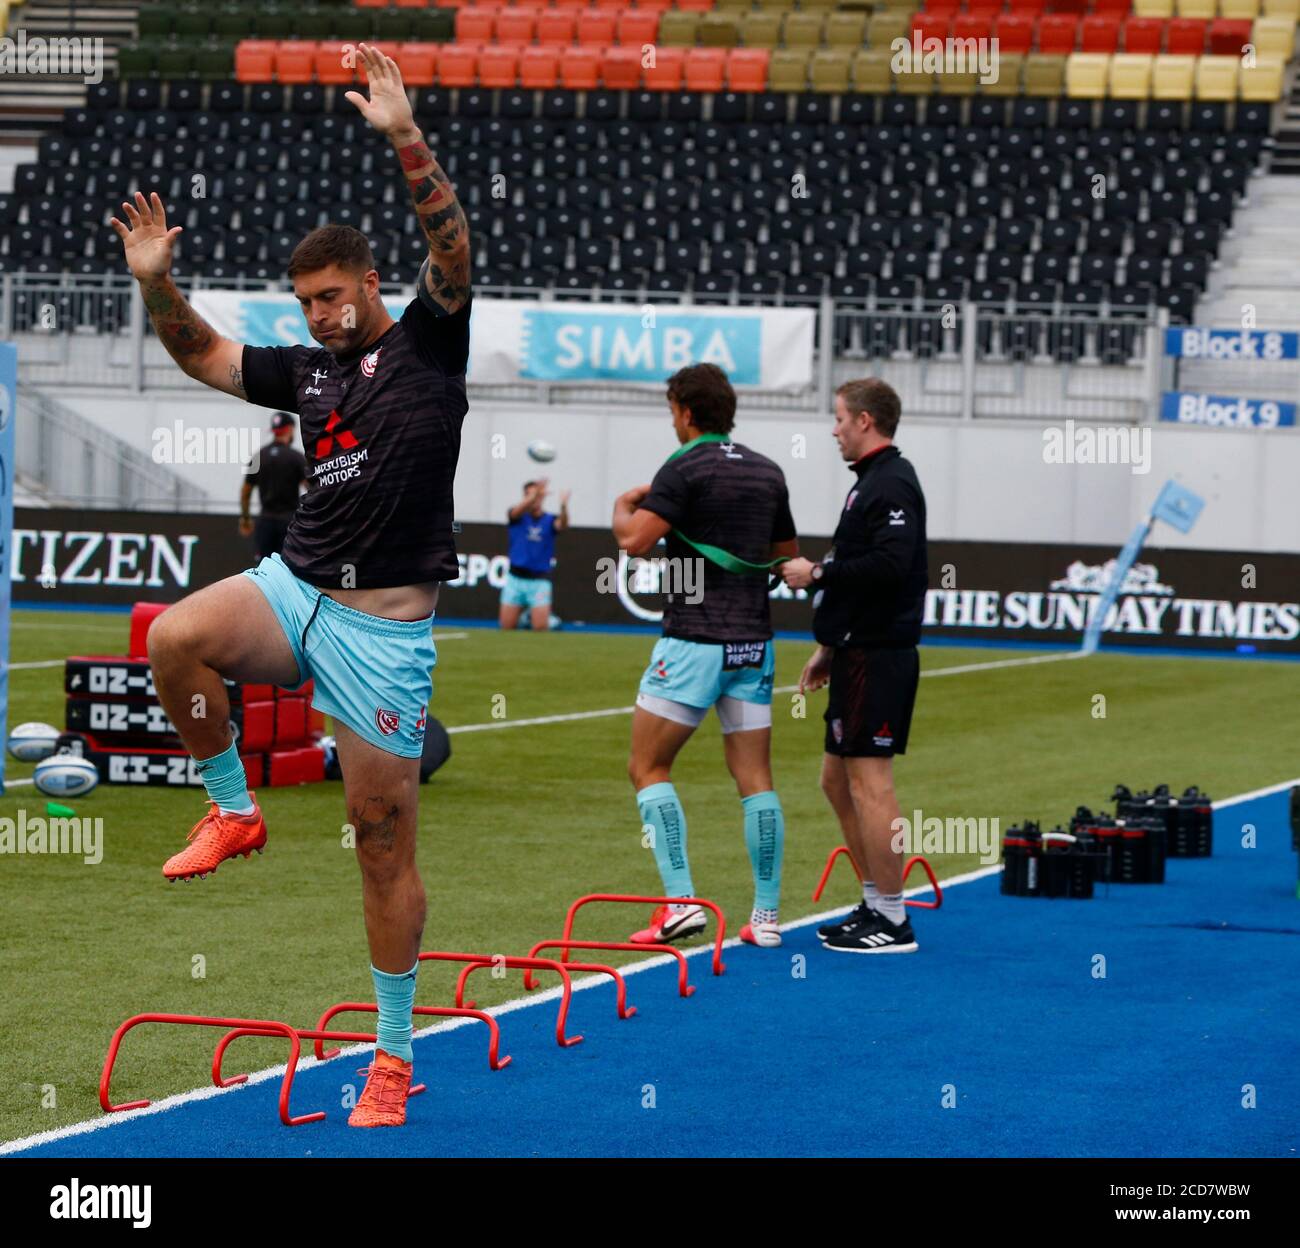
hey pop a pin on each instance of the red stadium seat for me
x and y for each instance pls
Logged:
(1026, 6)
(696, 6)
(654, 6)
(638, 27)
(539, 68)
(596, 28)
(932, 24)
(295, 60)
(666, 73)
(517, 24)
(1185, 36)
(1058, 33)
(620, 69)
(418, 63)
(973, 26)
(1144, 34)
(1099, 33)
(498, 66)
(335, 62)
(618, 5)
(580, 69)
(1228, 36)
(1121, 7)
(412, 4)
(706, 69)
(458, 65)
(1015, 32)
(557, 27)
(747, 69)
(476, 22)
(988, 9)
(255, 60)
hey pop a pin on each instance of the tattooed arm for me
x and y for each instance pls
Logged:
(445, 275)
(199, 350)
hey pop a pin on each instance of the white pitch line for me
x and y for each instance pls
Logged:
(627, 710)
(508, 1007)
(17, 667)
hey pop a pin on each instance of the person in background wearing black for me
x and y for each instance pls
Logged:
(279, 472)
(868, 602)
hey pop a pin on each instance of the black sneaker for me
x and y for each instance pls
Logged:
(837, 927)
(876, 935)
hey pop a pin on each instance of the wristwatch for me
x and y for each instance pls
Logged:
(816, 573)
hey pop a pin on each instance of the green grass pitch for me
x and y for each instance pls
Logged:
(522, 820)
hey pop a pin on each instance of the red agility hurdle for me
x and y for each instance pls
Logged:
(565, 943)
(624, 1011)
(684, 989)
(239, 1027)
(442, 1011)
(916, 860)
(540, 964)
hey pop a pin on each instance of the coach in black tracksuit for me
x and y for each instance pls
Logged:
(868, 601)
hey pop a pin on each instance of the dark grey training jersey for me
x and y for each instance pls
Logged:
(722, 494)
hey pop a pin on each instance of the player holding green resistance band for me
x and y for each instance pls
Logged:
(716, 648)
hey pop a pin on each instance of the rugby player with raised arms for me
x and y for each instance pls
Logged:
(349, 603)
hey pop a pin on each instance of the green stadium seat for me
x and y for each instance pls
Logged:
(176, 62)
(434, 25)
(275, 23)
(234, 21)
(215, 61)
(718, 30)
(353, 24)
(138, 60)
(677, 28)
(156, 21)
(393, 24)
(193, 22)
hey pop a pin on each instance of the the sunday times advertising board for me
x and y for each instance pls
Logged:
(1210, 600)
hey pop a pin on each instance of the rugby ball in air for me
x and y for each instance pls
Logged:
(542, 452)
(65, 775)
(29, 743)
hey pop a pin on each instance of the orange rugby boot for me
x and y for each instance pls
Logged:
(215, 838)
(383, 1102)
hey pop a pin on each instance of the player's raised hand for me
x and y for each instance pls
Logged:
(147, 240)
(387, 110)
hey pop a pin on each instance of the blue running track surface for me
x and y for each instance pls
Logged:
(995, 1039)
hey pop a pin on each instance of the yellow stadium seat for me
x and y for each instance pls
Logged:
(1085, 75)
(871, 71)
(788, 69)
(914, 83)
(803, 30)
(677, 28)
(1240, 10)
(884, 28)
(1010, 67)
(846, 30)
(4, 16)
(760, 29)
(1282, 8)
(1044, 75)
(1261, 83)
(830, 70)
(1130, 76)
(1153, 8)
(1274, 37)
(1216, 77)
(1172, 77)
(1208, 9)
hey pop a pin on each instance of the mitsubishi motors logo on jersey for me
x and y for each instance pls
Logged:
(371, 362)
(325, 443)
(386, 721)
(883, 735)
(421, 723)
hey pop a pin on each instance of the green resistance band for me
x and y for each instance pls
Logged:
(715, 554)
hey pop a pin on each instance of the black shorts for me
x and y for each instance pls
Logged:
(869, 709)
(269, 533)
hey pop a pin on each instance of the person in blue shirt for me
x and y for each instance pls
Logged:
(532, 557)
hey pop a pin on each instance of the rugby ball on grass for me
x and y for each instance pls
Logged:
(29, 743)
(65, 775)
(541, 451)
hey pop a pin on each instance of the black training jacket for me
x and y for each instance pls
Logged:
(874, 578)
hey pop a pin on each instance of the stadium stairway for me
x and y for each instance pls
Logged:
(31, 103)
